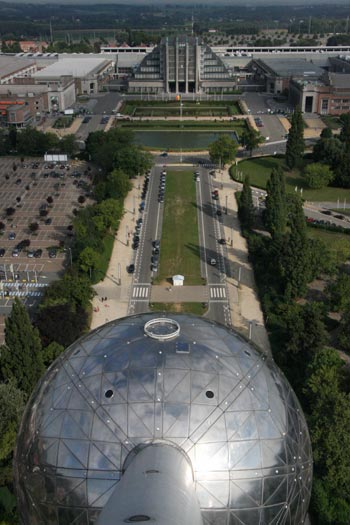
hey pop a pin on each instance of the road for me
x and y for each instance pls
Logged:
(210, 231)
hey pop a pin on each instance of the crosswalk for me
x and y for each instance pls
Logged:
(23, 294)
(140, 292)
(217, 292)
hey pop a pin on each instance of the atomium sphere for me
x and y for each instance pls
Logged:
(184, 381)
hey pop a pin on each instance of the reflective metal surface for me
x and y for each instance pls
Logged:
(208, 391)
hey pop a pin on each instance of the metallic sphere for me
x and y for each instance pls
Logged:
(185, 381)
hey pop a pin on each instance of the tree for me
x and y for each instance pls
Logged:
(115, 186)
(344, 135)
(326, 133)
(223, 150)
(74, 290)
(12, 402)
(88, 259)
(250, 139)
(342, 170)
(339, 292)
(81, 199)
(329, 422)
(295, 256)
(51, 352)
(246, 207)
(62, 324)
(295, 143)
(318, 175)
(10, 211)
(20, 356)
(68, 144)
(328, 151)
(33, 227)
(276, 204)
(304, 335)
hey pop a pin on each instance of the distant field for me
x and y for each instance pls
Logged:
(179, 249)
(259, 171)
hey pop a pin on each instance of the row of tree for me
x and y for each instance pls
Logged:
(32, 142)
(284, 263)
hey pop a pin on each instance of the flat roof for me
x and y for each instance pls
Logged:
(11, 64)
(287, 67)
(71, 66)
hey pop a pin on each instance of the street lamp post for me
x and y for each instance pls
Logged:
(226, 205)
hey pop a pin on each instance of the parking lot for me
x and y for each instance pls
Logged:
(43, 194)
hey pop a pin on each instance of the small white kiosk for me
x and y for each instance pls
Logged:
(178, 280)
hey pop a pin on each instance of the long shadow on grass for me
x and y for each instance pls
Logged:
(231, 267)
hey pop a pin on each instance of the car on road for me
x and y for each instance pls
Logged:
(38, 253)
(212, 261)
(222, 241)
(86, 120)
(219, 213)
(326, 212)
(341, 217)
(2, 252)
(164, 154)
(130, 268)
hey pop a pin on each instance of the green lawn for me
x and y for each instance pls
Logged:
(172, 108)
(338, 244)
(179, 248)
(188, 308)
(259, 170)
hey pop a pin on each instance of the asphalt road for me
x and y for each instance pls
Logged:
(210, 231)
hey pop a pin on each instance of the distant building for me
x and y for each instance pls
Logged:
(12, 67)
(181, 64)
(328, 96)
(275, 74)
(89, 74)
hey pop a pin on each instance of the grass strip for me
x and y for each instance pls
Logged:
(180, 253)
(188, 308)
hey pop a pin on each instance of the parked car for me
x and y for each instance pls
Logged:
(38, 253)
(2, 252)
(52, 254)
(12, 236)
(130, 268)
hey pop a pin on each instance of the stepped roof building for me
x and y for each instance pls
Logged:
(181, 64)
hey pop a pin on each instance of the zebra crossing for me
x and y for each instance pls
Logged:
(23, 294)
(140, 292)
(24, 283)
(217, 293)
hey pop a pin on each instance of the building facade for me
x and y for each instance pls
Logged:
(181, 64)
